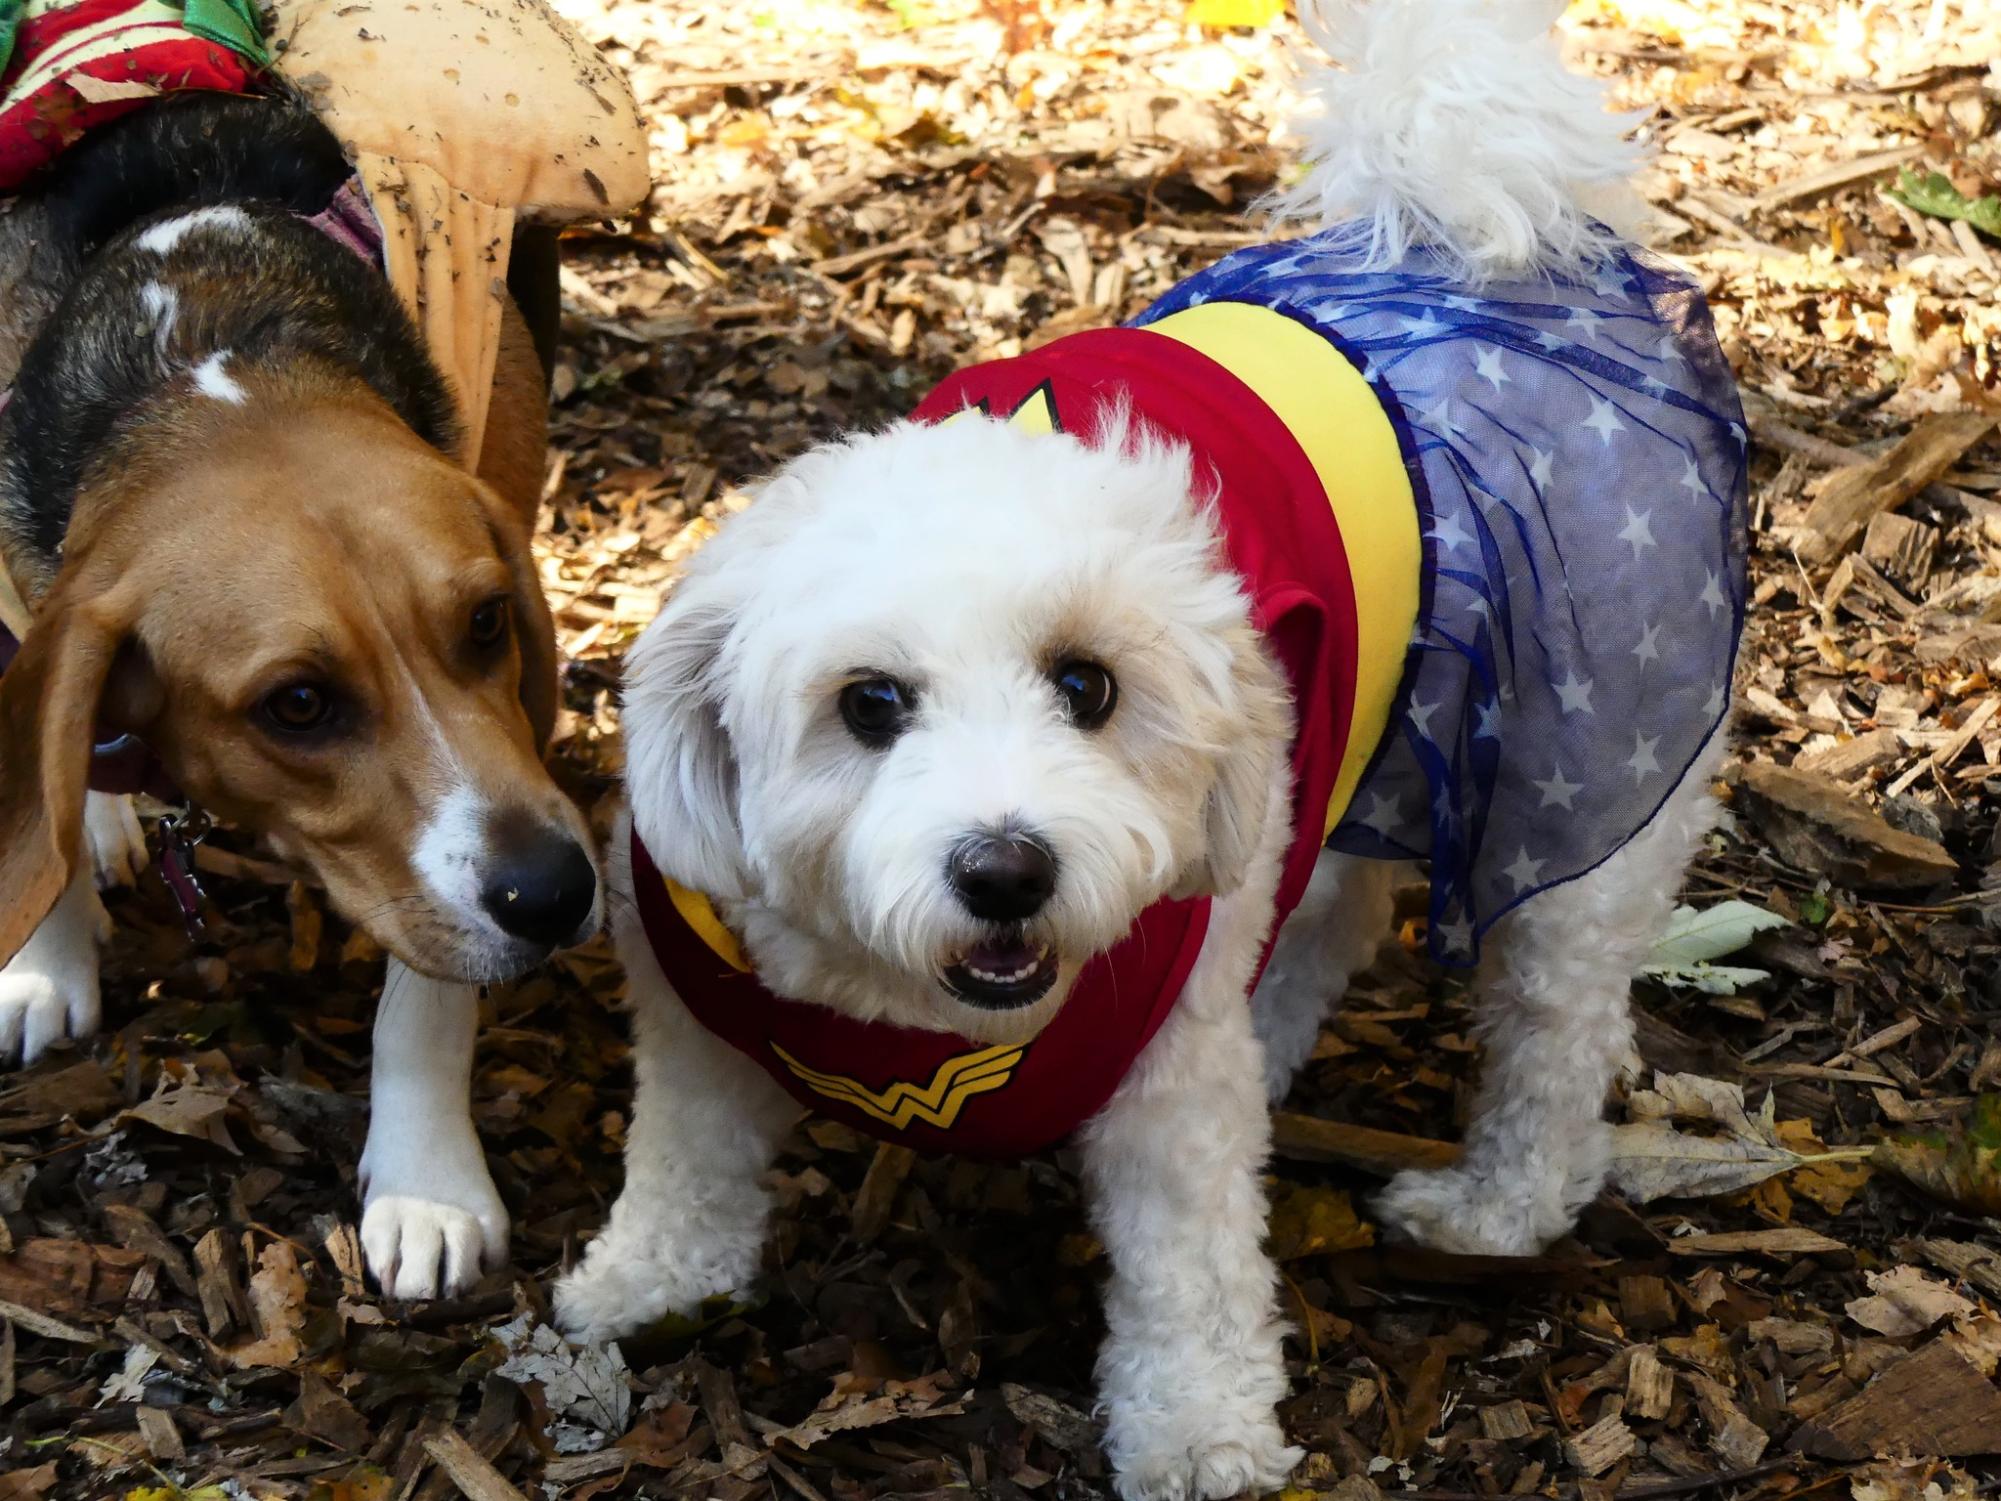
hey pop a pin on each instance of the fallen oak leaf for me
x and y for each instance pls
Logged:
(195, 1110)
(585, 1386)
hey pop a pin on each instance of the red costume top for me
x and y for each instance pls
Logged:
(1249, 391)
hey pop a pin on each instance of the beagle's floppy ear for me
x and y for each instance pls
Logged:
(1258, 734)
(534, 626)
(681, 770)
(48, 712)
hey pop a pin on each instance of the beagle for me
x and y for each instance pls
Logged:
(233, 497)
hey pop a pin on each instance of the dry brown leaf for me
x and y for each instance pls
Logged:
(1905, 1301)
(1313, 1221)
(278, 1308)
(844, 1410)
(195, 1110)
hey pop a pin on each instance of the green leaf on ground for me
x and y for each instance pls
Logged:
(1933, 193)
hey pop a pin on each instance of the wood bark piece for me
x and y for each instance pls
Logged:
(1649, 1385)
(1934, 1402)
(1849, 759)
(1785, 1240)
(468, 1469)
(1306, 1138)
(1645, 1304)
(1602, 1445)
(1506, 1421)
(1851, 496)
(1901, 547)
(1815, 827)
(1838, 175)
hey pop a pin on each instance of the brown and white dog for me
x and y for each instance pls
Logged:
(231, 492)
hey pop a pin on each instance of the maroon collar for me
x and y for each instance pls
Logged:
(350, 223)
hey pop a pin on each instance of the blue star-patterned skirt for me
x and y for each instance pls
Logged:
(1577, 453)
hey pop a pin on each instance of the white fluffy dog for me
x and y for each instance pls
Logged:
(974, 766)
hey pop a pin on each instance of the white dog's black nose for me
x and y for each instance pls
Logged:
(1003, 877)
(541, 888)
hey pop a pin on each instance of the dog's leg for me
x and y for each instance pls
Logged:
(431, 1218)
(48, 991)
(1330, 938)
(115, 838)
(1191, 1368)
(705, 1121)
(1553, 1013)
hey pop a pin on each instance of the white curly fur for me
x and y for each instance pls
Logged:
(1454, 124)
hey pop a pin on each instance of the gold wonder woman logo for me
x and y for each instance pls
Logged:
(935, 1104)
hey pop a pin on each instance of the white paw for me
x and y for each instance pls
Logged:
(115, 837)
(1513, 1213)
(628, 1279)
(47, 997)
(1202, 1456)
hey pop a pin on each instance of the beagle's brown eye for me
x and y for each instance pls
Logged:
(298, 708)
(876, 710)
(1089, 692)
(489, 622)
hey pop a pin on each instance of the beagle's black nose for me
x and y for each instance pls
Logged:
(1003, 877)
(541, 887)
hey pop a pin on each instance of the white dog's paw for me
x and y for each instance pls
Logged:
(116, 838)
(628, 1279)
(430, 1225)
(1201, 1456)
(1476, 1214)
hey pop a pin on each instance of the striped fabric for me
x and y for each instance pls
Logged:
(73, 64)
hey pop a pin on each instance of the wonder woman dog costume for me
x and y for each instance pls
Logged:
(1496, 541)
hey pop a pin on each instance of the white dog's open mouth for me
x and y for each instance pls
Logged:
(1003, 974)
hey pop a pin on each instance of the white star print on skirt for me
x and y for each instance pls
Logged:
(1577, 452)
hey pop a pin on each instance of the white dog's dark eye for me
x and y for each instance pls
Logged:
(1089, 692)
(877, 709)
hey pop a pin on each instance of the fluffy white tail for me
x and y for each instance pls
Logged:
(1456, 126)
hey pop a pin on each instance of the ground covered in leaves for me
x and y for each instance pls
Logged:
(1795, 1293)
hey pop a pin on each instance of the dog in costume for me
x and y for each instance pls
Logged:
(1038, 768)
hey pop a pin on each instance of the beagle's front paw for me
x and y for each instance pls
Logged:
(48, 991)
(431, 1219)
(39, 1009)
(115, 837)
